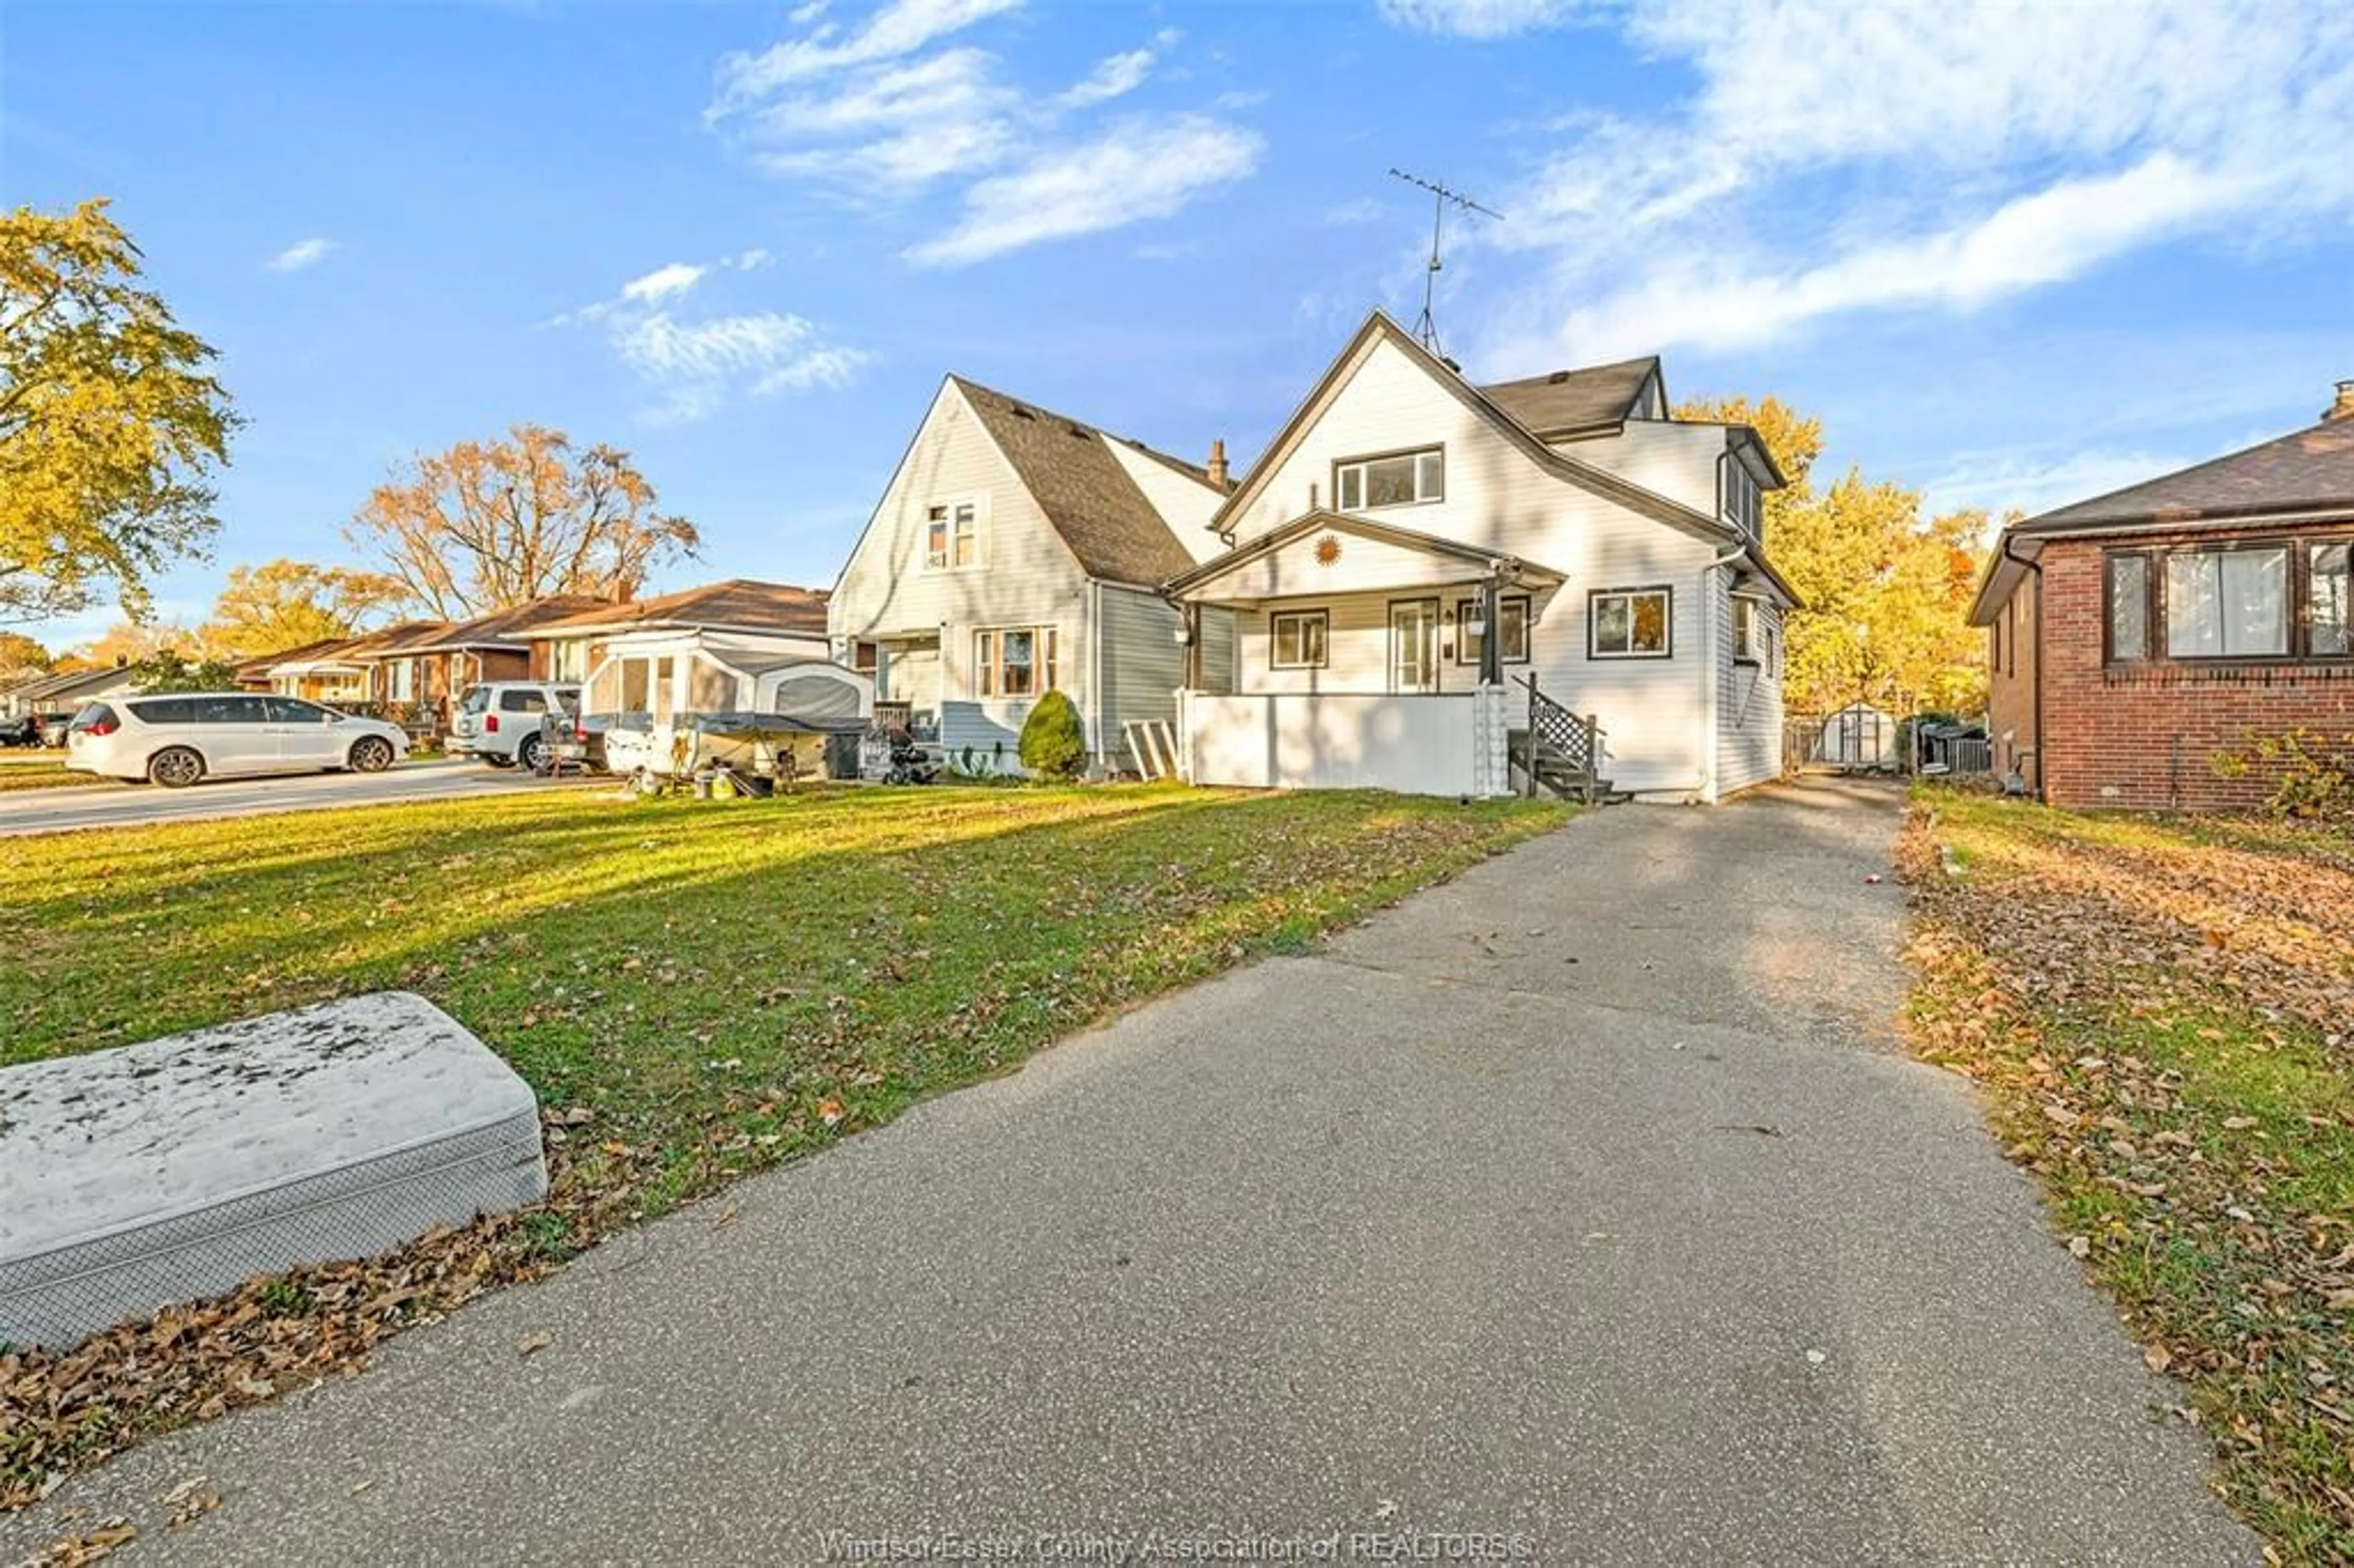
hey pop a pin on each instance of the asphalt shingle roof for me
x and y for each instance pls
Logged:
(1575, 399)
(2308, 470)
(739, 601)
(1113, 528)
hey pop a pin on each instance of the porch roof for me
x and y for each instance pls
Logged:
(1307, 557)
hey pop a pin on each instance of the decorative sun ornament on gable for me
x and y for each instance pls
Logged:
(1327, 550)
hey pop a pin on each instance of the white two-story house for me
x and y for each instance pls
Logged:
(1445, 589)
(1017, 551)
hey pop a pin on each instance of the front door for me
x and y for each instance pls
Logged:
(1413, 645)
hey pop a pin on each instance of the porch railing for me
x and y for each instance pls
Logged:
(1561, 751)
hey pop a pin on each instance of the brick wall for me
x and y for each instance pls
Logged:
(2010, 685)
(2145, 736)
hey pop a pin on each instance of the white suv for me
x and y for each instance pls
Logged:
(498, 720)
(179, 738)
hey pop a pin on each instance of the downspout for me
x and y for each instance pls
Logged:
(2040, 748)
(1712, 690)
(1095, 672)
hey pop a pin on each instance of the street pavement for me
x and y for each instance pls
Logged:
(136, 805)
(1582, 1210)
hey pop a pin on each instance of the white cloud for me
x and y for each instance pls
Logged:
(1348, 214)
(1141, 170)
(301, 254)
(1831, 160)
(662, 282)
(904, 103)
(899, 28)
(1996, 482)
(1116, 76)
(696, 364)
(1477, 19)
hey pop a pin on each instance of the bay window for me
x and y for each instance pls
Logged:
(1014, 661)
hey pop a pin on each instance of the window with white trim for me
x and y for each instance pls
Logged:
(952, 536)
(1014, 661)
(1393, 479)
(1628, 623)
(1298, 639)
(1748, 630)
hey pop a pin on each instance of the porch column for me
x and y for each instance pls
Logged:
(1491, 644)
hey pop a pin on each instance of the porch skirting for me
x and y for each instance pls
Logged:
(1450, 743)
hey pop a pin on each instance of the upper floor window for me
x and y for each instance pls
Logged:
(1395, 479)
(2281, 598)
(952, 536)
(1744, 502)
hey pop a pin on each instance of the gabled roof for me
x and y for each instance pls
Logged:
(1507, 565)
(1565, 402)
(261, 663)
(1107, 521)
(1600, 481)
(2305, 471)
(49, 688)
(739, 602)
(509, 628)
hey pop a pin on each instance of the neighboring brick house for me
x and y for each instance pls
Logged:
(2135, 638)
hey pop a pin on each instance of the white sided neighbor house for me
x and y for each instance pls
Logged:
(1017, 551)
(1447, 588)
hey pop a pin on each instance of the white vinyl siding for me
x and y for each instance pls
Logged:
(1142, 665)
(1748, 696)
(1498, 499)
(1028, 577)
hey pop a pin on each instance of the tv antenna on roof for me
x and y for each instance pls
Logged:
(1427, 329)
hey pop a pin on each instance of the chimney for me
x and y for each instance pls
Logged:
(2344, 408)
(1217, 464)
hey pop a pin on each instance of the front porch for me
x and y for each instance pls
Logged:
(1371, 656)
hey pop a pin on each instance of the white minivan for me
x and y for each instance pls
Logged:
(498, 720)
(180, 737)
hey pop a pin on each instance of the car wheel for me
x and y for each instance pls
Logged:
(527, 752)
(175, 766)
(371, 754)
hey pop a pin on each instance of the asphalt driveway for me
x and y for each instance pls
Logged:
(127, 806)
(1584, 1204)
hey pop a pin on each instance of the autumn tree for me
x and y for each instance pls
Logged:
(21, 658)
(288, 604)
(1887, 593)
(490, 524)
(137, 642)
(110, 423)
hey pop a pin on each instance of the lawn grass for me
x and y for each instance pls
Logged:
(43, 775)
(695, 989)
(2162, 1013)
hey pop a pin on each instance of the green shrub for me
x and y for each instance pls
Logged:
(1053, 744)
(2312, 773)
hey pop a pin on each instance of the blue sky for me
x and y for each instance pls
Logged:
(2013, 256)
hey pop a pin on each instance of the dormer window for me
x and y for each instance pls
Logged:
(1393, 479)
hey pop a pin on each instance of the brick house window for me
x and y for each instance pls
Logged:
(2329, 607)
(2128, 613)
(2270, 600)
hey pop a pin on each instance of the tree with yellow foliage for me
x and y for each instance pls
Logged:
(1887, 592)
(111, 421)
(287, 604)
